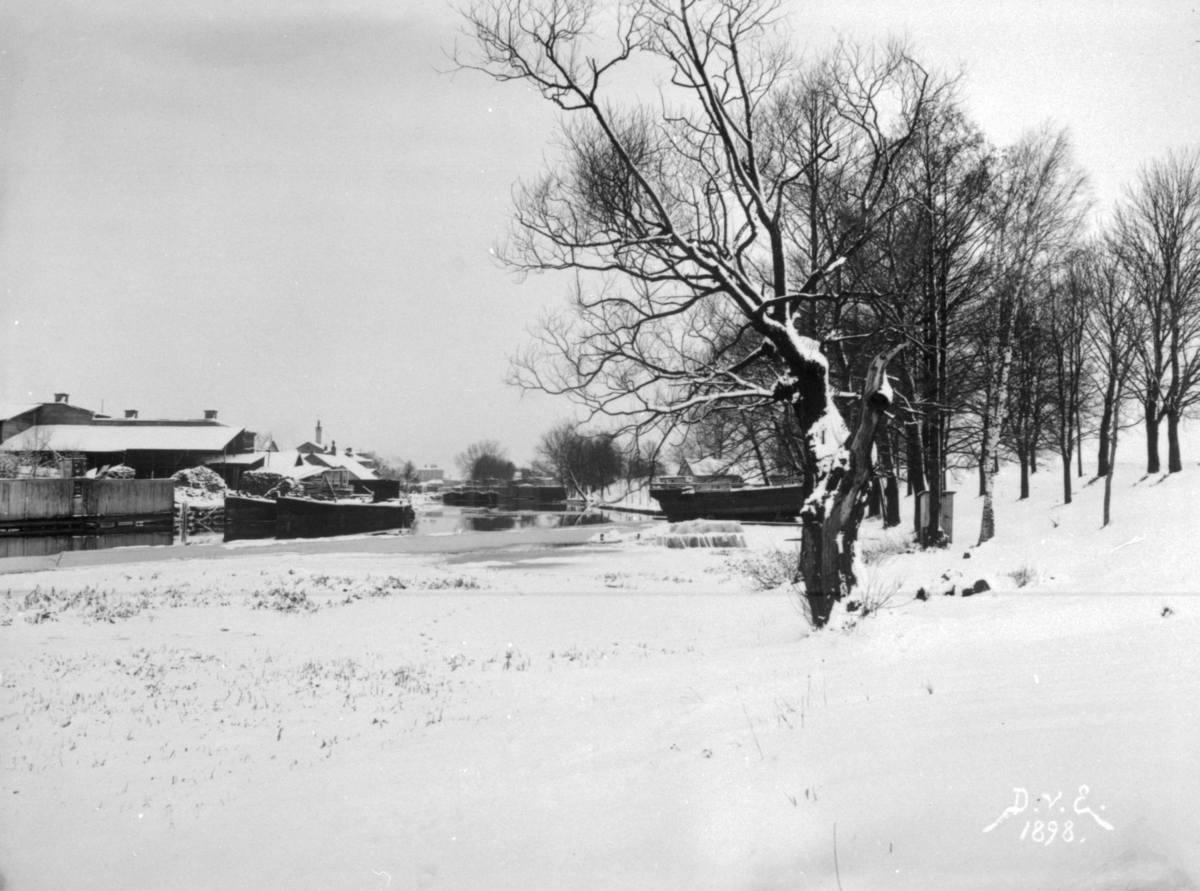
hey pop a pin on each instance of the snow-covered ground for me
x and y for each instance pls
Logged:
(617, 715)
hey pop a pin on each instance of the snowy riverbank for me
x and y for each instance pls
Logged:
(614, 715)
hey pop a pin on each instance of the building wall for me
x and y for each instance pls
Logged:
(61, 413)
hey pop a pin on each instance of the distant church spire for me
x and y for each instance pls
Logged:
(318, 431)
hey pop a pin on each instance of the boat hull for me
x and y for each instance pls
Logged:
(303, 518)
(749, 503)
(470, 498)
(249, 518)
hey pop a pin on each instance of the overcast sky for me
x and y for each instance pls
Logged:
(283, 209)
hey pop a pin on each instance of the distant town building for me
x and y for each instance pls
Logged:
(430, 472)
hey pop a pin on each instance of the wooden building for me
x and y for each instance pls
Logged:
(153, 448)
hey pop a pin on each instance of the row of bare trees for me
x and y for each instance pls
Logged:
(825, 263)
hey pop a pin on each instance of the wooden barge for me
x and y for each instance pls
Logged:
(470, 498)
(746, 503)
(247, 517)
(308, 518)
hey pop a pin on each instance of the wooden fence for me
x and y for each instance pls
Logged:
(36, 500)
(124, 498)
(58, 509)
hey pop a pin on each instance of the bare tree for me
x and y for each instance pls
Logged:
(1067, 309)
(581, 463)
(1113, 338)
(674, 213)
(932, 268)
(1157, 236)
(485, 460)
(1036, 215)
(1029, 391)
(642, 463)
(40, 455)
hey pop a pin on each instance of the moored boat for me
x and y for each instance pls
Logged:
(247, 517)
(308, 518)
(747, 503)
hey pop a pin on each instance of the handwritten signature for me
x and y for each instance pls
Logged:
(1046, 831)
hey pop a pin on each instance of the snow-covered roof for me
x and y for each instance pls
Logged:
(121, 438)
(298, 465)
(248, 459)
(303, 472)
(284, 463)
(12, 409)
(357, 470)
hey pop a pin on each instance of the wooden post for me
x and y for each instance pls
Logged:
(183, 522)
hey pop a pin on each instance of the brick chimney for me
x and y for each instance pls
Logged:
(131, 412)
(210, 414)
(61, 397)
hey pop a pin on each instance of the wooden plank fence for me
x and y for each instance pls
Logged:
(36, 500)
(125, 498)
(54, 508)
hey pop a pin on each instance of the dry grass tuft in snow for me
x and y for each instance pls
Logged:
(887, 544)
(874, 593)
(1025, 575)
(771, 568)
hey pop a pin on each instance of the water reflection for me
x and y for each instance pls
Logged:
(452, 520)
(49, 545)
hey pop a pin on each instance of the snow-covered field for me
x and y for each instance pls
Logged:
(617, 715)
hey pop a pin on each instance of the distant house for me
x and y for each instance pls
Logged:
(294, 463)
(347, 461)
(153, 448)
(359, 467)
(429, 472)
(705, 471)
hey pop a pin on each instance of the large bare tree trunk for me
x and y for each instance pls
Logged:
(891, 487)
(1110, 462)
(1066, 445)
(833, 512)
(1106, 417)
(1174, 457)
(1153, 464)
(1078, 440)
